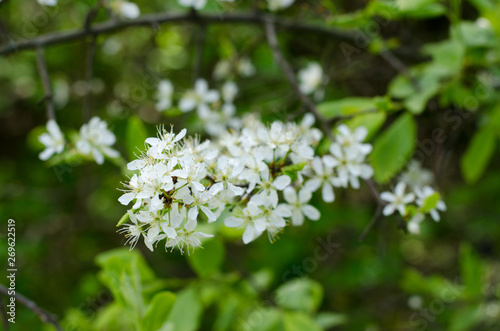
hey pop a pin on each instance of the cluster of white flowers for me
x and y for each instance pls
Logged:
(94, 141)
(264, 176)
(424, 198)
(215, 109)
(226, 68)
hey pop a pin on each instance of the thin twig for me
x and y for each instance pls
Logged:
(88, 75)
(375, 219)
(375, 193)
(397, 64)
(44, 74)
(5, 322)
(44, 315)
(111, 26)
(272, 40)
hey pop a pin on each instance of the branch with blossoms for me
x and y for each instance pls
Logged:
(253, 176)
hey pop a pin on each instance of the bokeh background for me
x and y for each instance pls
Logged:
(66, 214)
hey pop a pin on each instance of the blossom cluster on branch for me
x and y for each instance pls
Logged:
(263, 176)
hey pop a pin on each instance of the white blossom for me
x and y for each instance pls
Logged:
(47, 2)
(310, 78)
(298, 205)
(199, 98)
(96, 140)
(164, 95)
(423, 194)
(53, 140)
(125, 9)
(196, 4)
(397, 200)
(274, 5)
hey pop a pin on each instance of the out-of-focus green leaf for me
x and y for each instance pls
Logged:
(300, 294)
(327, 320)
(472, 271)
(430, 202)
(186, 313)
(158, 310)
(346, 106)
(372, 122)
(207, 261)
(393, 148)
(299, 321)
(135, 136)
(478, 154)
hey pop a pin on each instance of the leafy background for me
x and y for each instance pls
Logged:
(446, 278)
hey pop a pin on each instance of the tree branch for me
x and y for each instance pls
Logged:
(272, 40)
(111, 26)
(44, 315)
(376, 218)
(44, 74)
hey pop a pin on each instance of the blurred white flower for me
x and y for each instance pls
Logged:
(53, 141)
(125, 9)
(397, 200)
(310, 78)
(274, 5)
(199, 98)
(415, 176)
(164, 95)
(196, 4)
(95, 140)
(47, 2)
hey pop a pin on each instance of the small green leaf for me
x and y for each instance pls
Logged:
(430, 202)
(135, 136)
(300, 294)
(158, 310)
(299, 321)
(346, 106)
(478, 154)
(472, 271)
(393, 148)
(208, 261)
(328, 320)
(123, 220)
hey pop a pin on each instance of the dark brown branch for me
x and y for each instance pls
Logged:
(44, 74)
(397, 64)
(44, 315)
(272, 40)
(88, 75)
(167, 17)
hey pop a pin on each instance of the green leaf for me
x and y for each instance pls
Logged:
(327, 320)
(123, 220)
(372, 122)
(420, 8)
(300, 294)
(299, 321)
(207, 261)
(346, 106)
(430, 203)
(472, 271)
(186, 313)
(291, 170)
(135, 136)
(478, 154)
(158, 310)
(393, 148)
